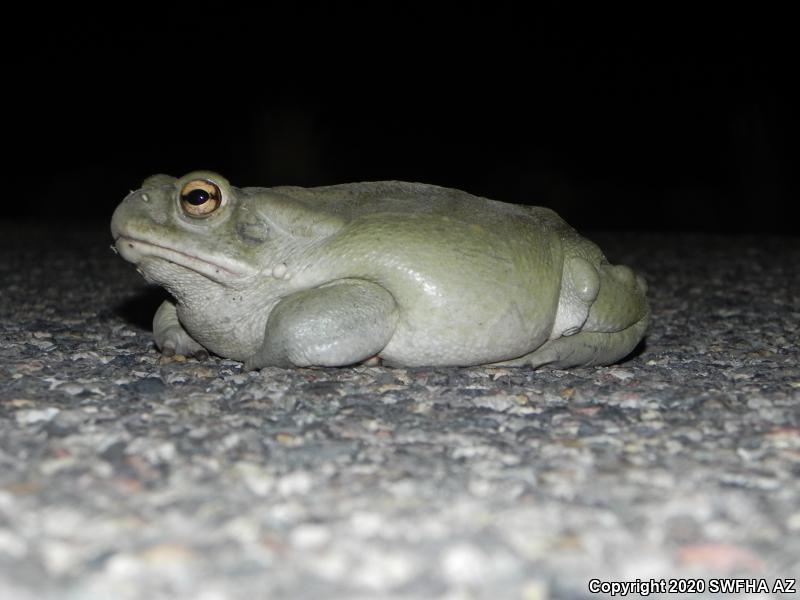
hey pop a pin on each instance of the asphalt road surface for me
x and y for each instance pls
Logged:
(126, 476)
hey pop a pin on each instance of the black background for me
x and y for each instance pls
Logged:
(660, 118)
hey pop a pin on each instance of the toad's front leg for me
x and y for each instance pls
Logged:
(341, 323)
(170, 336)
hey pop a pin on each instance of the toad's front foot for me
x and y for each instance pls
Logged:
(170, 336)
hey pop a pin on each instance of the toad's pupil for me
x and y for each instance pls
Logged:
(197, 197)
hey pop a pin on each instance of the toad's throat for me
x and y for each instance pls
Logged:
(221, 270)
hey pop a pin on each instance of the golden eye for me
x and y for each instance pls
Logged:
(200, 198)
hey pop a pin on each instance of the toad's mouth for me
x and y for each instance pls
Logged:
(221, 269)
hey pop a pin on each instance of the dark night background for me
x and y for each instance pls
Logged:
(667, 120)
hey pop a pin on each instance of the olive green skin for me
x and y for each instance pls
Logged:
(413, 274)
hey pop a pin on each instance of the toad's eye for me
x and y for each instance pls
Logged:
(200, 198)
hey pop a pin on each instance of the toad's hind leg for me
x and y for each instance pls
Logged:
(597, 328)
(585, 349)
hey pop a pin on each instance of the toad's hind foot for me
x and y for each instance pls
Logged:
(586, 348)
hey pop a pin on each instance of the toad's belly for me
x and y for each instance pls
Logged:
(473, 327)
(459, 342)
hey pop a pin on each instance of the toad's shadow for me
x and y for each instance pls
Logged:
(638, 350)
(138, 310)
